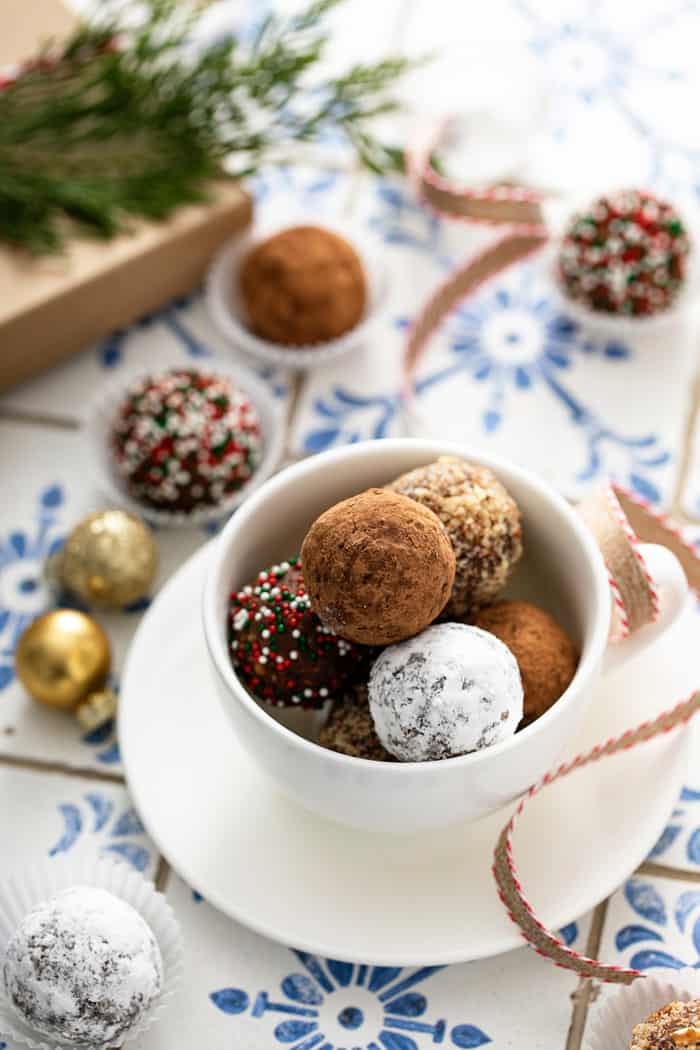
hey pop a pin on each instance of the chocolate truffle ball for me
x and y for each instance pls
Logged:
(303, 286)
(673, 1027)
(627, 254)
(83, 967)
(482, 522)
(185, 439)
(448, 691)
(350, 730)
(378, 567)
(545, 654)
(279, 648)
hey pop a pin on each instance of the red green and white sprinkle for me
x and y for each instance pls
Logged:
(279, 647)
(186, 439)
(627, 255)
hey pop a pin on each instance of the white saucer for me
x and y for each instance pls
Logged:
(366, 898)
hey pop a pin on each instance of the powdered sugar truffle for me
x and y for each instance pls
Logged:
(447, 691)
(83, 967)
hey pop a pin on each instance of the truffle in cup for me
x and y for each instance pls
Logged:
(482, 521)
(378, 567)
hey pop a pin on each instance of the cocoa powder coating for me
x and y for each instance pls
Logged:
(378, 567)
(482, 521)
(302, 286)
(545, 654)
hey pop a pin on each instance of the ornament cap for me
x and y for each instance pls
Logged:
(98, 708)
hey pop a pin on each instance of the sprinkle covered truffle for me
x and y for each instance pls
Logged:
(185, 439)
(378, 567)
(675, 1026)
(627, 254)
(83, 967)
(280, 649)
(482, 522)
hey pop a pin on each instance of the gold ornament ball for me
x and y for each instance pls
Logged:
(109, 560)
(62, 657)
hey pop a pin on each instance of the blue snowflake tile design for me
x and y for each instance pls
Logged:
(335, 1005)
(115, 833)
(510, 340)
(596, 66)
(309, 188)
(23, 593)
(346, 417)
(398, 218)
(663, 927)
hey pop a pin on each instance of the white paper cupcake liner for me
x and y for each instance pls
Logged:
(43, 880)
(103, 410)
(228, 314)
(610, 1026)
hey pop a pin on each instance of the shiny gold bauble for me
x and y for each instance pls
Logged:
(62, 658)
(109, 560)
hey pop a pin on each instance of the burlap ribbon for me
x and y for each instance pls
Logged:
(617, 519)
(517, 209)
(609, 513)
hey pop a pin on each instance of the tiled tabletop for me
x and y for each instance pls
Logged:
(598, 94)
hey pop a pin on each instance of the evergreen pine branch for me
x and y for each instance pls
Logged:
(126, 123)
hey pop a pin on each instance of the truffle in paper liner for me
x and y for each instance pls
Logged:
(610, 1025)
(44, 880)
(103, 411)
(228, 314)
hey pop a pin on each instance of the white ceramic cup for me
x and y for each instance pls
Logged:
(562, 570)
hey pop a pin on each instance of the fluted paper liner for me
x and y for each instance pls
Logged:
(228, 313)
(102, 412)
(43, 880)
(610, 1024)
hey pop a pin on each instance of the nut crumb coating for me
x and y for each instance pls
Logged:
(482, 521)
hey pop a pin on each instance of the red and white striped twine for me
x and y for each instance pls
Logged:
(510, 888)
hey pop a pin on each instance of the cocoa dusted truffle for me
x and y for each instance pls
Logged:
(378, 567)
(450, 690)
(482, 521)
(185, 439)
(83, 968)
(350, 730)
(545, 654)
(673, 1027)
(303, 286)
(280, 649)
(626, 254)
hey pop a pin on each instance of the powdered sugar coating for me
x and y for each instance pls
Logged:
(83, 967)
(450, 690)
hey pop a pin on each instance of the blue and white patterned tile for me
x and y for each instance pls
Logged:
(508, 357)
(52, 815)
(653, 923)
(245, 990)
(34, 518)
